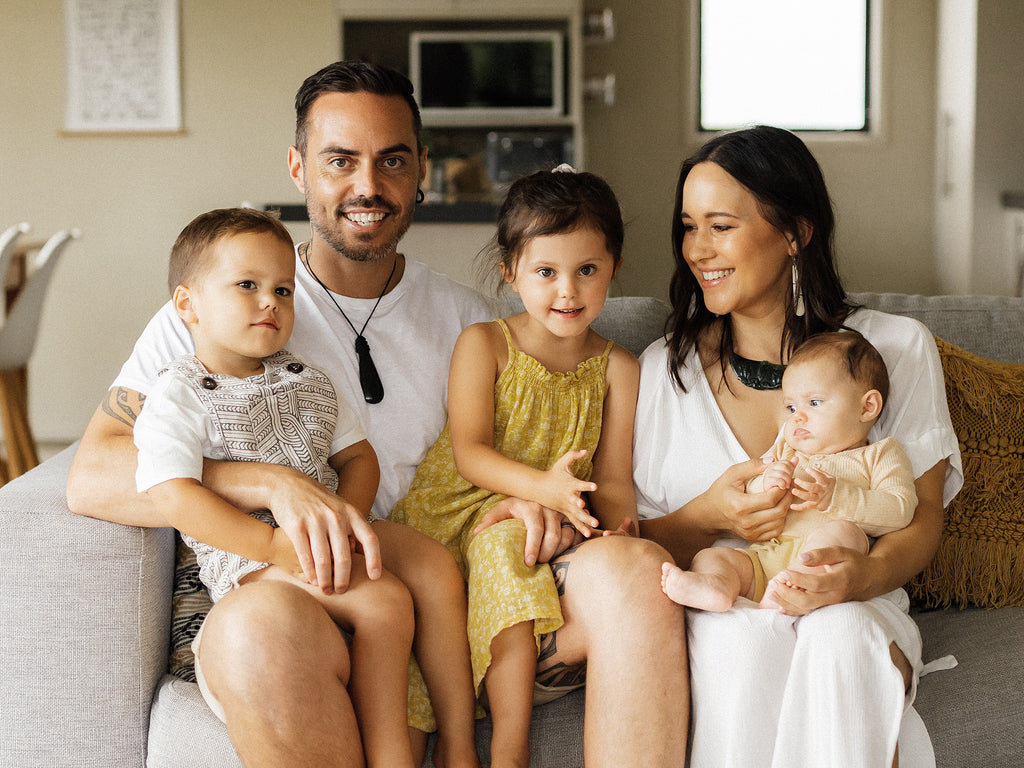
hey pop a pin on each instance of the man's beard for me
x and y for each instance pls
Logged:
(351, 248)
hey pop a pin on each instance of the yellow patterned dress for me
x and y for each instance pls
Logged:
(538, 416)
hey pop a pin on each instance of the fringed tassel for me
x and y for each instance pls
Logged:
(980, 560)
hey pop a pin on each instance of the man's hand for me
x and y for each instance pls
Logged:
(548, 533)
(324, 529)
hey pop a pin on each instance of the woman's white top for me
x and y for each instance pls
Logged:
(682, 443)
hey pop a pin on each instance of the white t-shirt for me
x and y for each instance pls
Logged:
(411, 337)
(682, 443)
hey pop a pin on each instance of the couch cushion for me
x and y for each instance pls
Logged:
(990, 326)
(973, 712)
(184, 733)
(980, 559)
(190, 602)
(84, 613)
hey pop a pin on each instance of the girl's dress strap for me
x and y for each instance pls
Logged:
(508, 338)
(504, 329)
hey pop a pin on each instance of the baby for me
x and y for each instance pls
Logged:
(847, 489)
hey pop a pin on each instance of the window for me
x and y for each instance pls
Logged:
(797, 64)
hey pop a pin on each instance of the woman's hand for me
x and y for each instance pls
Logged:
(751, 516)
(323, 528)
(838, 574)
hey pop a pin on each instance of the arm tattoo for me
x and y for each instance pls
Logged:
(124, 405)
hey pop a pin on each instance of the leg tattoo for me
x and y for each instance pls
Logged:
(559, 673)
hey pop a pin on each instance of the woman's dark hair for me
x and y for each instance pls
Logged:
(352, 77)
(780, 172)
(553, 203)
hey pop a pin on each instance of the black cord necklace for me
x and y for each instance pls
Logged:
(369, 379)
(756, 374)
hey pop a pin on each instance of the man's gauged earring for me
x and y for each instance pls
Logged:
(420, 197)
(798, 294)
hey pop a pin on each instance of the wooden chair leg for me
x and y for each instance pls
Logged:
(21, 447)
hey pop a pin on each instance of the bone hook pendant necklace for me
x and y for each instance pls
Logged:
(369, 379)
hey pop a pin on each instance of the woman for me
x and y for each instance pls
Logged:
(826, 678)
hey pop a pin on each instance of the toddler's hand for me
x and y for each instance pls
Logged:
(283, 555)
(564, 492)
(816, 492)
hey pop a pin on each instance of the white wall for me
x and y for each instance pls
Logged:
(957, 68)
(999, 140)
(242, 61)
(980, 153)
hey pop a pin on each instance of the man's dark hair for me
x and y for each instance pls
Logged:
(352, 77)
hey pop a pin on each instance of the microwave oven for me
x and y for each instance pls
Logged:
(488, 75)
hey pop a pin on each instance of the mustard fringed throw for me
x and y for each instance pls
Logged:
(980, 560)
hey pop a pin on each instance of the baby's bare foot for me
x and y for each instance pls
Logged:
(696, 590)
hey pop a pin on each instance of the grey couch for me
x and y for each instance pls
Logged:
(85, 612)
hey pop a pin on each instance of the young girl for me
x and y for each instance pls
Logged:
(540, 408)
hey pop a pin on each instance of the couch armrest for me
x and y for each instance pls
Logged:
(84, 620)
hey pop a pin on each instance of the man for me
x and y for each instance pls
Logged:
(382, 327)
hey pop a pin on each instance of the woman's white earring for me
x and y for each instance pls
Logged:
(798, 295)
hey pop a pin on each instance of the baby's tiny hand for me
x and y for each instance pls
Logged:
(778, 474)
(816, 492)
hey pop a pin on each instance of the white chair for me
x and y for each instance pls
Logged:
(8, 239)
(17, 341)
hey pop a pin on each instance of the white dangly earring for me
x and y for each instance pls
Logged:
(798, 296)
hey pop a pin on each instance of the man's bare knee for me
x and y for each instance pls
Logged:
(624, 576)
(269, 631)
